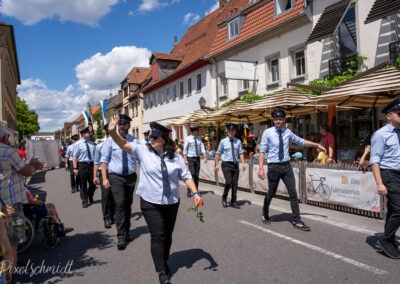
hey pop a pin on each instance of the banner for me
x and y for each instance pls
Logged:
(240, 70)
(350, 188)
(207, 170)
(262, 185)
(103, 107)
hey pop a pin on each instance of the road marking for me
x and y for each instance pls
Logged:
(318, 249)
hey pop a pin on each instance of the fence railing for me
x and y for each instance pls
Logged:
(340, 187)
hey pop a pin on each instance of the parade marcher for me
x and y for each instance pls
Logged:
(275, 141)
(118, 171)
(82, 159)
(107, 200)
(328, 140)
(12, 189)
(229, 150)
(146, 138)
(192, 150)
(385, 160)
(74, 179)
(160, 171)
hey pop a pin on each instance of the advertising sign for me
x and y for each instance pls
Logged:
(240, 70)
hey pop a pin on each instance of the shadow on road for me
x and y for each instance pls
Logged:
(203, 192)
(40, 265)
(283, 217)
(189, 257)
(137, 215)
(137, 232)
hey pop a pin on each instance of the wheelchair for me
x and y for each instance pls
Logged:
(34, 224)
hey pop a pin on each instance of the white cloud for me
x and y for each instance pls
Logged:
(212, 8)
(105, 71)
(150, 5)
(31, 12)
(191, 19)
(97, 77)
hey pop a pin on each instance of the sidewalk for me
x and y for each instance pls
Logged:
(356, 223)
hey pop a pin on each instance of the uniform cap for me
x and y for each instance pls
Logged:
(278, 112)
(158, 130)
(392, 106)
(75, 137)
(84, 130)
(194, 128)
(231, 126)
(123, 118)
(146, 132)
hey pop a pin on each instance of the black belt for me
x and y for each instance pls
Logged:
(127, 175)
(85, 163)
(196, 157)
(229, 162)
(281, 164)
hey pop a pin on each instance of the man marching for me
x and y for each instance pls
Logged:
(192, 150)
(385, 160)
(75, 182)
(275, 140)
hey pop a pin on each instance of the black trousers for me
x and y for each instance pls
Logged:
(107, 201)
(284, 172)
(391, 179)
(75, 182)
(161, 221)
(231, 174)
(86, 178)
(194, 168)
(122, 187)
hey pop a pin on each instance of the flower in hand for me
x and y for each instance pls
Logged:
(199, 214)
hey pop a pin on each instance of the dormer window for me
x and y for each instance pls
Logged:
(283, 6)
(234, 27)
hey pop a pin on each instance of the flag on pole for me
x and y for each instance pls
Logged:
(103, 105)
(88, 121)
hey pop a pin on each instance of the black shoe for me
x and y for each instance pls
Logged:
(90, 200)
(234, 205)
(265, 219)
(128, 239)
(224, 204)
(85, 204)
(188, 193)
(73, 190)
(107, 223)
(389, 249)
(77, 189)
(164, 279)
(301, 226)
(121, 245)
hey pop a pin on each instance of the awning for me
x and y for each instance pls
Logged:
(195, 117)
(329, 21)
(371, 90)
(381, 9)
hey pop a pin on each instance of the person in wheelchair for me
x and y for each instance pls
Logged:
(40, 210)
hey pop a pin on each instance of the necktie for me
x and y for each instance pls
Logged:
(164, 173)
(124, 162)
(233, 152)
(397, 130)
(280, 145)
(195, 145)
(88, 151)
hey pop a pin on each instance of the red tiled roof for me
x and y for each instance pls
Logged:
(137, 75)
(165, 56)
(114, 101)
(256, 22)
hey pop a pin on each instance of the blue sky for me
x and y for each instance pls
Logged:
(77, 51)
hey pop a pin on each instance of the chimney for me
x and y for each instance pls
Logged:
(222, 3)
(175, 41)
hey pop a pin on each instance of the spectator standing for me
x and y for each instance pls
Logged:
(328, 140)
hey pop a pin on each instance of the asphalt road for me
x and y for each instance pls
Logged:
(231, 246)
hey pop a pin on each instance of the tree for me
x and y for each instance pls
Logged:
(27, 120)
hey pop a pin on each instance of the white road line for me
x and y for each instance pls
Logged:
(318, 249)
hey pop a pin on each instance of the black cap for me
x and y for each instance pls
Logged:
(123, 118)
(392, 106)
(278, 112)
(158, 130)
(146, 132)
(194, 128)
(86, 129)
(231, 126)
(105, 127)
(75, 137)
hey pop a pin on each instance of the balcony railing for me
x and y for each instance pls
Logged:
(341, 64)
(394, 50)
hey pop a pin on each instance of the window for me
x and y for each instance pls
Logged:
(160, 98)
(299, 63)
(233, 28)
(198, 86)
(126, 110)
(189, 86)
(274, 70)
(168, 94)
(283, 5)
(137, 109)
(174, 92)
(181, 90)
(146, 102)
(133, 109)
(224, 84)
(245, 84)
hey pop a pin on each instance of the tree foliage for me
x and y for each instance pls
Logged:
(99, 130)
(27, 120)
